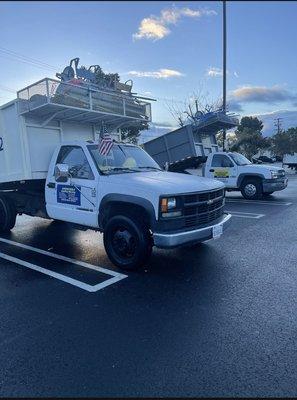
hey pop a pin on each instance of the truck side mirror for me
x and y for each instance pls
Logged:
(62, 172)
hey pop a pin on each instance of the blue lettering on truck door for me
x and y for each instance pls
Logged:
(68, 195)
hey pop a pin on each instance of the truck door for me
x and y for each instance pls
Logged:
(76, 199)
(223, 169)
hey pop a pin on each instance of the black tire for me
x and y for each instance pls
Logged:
(127, 242)
(251, 189)
(7, 214)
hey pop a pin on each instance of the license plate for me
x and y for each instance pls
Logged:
(217, 230)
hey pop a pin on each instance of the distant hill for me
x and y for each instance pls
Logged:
(289, 120)
(155, 131)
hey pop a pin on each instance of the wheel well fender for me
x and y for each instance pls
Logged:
(243, 177)
(113, 204)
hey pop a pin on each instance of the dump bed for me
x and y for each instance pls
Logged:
(185, 143)
(27, 145)
(191, 143)
(49, 112)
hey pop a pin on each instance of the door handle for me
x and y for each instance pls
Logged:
(51, 185)
(211, 170)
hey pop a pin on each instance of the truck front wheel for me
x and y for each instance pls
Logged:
(127, 242)
(251, 189)
(7, 214)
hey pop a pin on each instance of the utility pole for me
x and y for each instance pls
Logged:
(224, 67)
(278, 124)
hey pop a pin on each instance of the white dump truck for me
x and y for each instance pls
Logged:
(51, 166)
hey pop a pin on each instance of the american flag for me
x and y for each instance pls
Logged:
(105, 145)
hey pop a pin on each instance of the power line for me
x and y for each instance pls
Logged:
(25, 62)
(8, 89)
(23, 58)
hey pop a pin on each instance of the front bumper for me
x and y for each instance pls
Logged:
(174, 239)
(272, 185)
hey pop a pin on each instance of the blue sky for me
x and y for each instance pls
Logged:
(169, 49)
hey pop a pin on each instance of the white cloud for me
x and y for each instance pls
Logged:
(214, 72)
(156, 27)
(162, 73)
(263, 94)
(151, 29)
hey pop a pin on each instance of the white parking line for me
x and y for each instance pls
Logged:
(116, 276)
(245, 214)
(273, 203)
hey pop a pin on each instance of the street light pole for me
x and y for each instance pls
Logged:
(224, 67)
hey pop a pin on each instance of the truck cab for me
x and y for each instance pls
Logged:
(128, 197)
(238, 173)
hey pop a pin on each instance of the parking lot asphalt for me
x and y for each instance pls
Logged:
(215, 320)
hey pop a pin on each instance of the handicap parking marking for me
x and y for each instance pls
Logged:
(240, 214)
(116, 276)
(273, 203)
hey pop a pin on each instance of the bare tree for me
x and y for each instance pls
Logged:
(176, 111)
(198, 103)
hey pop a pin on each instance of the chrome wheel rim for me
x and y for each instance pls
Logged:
(250, 189)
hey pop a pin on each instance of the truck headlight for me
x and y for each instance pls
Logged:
(168, 203)
(171, 203)
(274, 174)
(168, 207)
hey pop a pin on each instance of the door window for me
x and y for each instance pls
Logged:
(220, 160)
(76, 159)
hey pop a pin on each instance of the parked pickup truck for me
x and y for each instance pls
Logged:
(125, 195)
(194, 145)
(238, 173)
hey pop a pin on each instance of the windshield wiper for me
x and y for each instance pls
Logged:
(155, 168)
(127, 169)
(121, 169)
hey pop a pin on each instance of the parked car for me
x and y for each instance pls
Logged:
(263, 159)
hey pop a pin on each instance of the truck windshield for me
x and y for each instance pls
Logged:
(239, 159)
(122, 159)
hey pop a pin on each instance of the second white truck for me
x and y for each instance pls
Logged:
(193, 149)
(239, 174)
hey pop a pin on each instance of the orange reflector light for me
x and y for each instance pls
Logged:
(164, 205)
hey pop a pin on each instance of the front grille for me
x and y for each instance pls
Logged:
(205, 196)
(203, 208)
